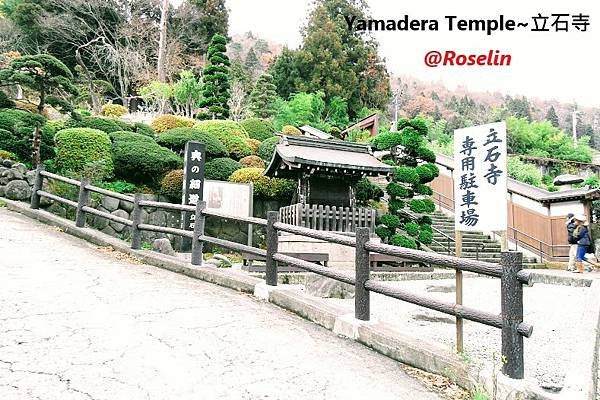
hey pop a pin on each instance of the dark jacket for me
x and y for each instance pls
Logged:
(582, 234)
(570, 228)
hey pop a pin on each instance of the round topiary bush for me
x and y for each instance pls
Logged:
(129, 136)
(144, 129)
(172, 185)
(236, 147)
(7, 155)
(78, 148)
(253, 144)
(113, 110)
(220, 169)
(267, 148)
(291, 130)
(265, 187)
(252, 162)
(258, 128)
(175, 139)
(143, 162)
(222, 128)
(165, 122)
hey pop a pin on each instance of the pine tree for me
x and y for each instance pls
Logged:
(408, 187)
(215, 91)
(263, 97)
(252, 63)
(552, 116)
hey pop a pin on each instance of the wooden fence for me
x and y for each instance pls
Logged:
(509, 321)
(326, 218)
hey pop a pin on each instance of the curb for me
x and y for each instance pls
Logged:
(377, 335)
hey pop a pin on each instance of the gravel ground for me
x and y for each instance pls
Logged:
(554, 311)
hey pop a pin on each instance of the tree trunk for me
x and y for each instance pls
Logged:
(162, 42)
(37, 134)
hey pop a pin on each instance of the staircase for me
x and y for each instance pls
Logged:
(475, 245)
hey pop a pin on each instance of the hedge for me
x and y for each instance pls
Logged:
(171, 185)
(143, 162)
(267, 148)
(80, 148)
(236, 147)
(175, 139)
(165, 122)
(16, 134)
(220, 169)
(222, 128)
(107, 125)
(144, 129)
(252, 162)
(265, 187)
(129, 136)
(258, 128)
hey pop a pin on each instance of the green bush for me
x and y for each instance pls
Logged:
(129, 137)
(403, 241)
(258, 128)
(236, 147)
(220, 169)
(143, 162)
(5, 101)
(524, 172)
(252, 162)
(267, 148)
(365, 191)
(412, 228)
(144, 129)
(253, 144)
(172, 185)
(118, 186)
(16, 134)
(113, 110)
(222, 128)
(78, 148)
(422, 206)
(107, 125)
(264, 187)
(175, 139)
(165, 122)
(390, 221)
(7, 155)
(406, 175)
(290, 130)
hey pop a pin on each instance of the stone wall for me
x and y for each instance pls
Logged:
(15, 180)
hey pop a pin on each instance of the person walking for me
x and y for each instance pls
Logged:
(584, 241)
(572, 241)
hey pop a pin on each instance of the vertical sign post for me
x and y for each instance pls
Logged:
(480, 174)
(193, 185)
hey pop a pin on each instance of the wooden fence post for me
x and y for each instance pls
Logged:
(362, 303)
(272, 245)
(512, 315)
(37, 185)
(136, 216)
(197, 244)
(84, 198)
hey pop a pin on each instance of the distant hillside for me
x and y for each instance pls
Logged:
(240, 47)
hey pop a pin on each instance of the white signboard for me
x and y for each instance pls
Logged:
(228, 198)
(480, 178)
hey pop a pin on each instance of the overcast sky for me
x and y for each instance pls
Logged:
(549, 65)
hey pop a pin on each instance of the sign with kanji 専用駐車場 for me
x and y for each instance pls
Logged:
(480, 174)
(193, 179)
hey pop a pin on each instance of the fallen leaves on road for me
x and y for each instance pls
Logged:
(119, 255)
(438, 384)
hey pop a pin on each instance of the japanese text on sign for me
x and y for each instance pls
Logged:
(193, 179)
(480, 178)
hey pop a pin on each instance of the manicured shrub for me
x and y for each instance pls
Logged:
(236, 147)
(16, 134)
(107, 125)
(143, 162)
(78, 148)
(7, 155)
(390, 221)
(422, 206)
(253, 144)
(144, 129)
(5, 101)
(252, 162)
(130, 137)
(365, 191)
(265, 187)
(222, 128)
(406, 175)
(175, 139)
(171, 185)
(258, 128)
(165, 122)
(267, 148)
(403, 241)
(113, 110)
(412, 228)
(291, 131)
(220, 169)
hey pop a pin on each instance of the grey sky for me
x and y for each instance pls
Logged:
(549, 65)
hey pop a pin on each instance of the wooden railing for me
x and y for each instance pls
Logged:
(510, 319)
(326, 218)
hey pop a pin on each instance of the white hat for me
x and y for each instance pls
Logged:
(581, 217)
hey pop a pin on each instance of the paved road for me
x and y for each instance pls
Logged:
(77, 323)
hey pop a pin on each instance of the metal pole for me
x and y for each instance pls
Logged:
(197, 244)
(362, 303)
(512, 314)
(136, 216)
(37, 185)
(272, 245)
(84, 198)
(459, 293)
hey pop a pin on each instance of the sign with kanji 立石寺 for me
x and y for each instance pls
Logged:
(480, 175)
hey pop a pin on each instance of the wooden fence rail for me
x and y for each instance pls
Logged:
(509, 321)
(329, 218)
